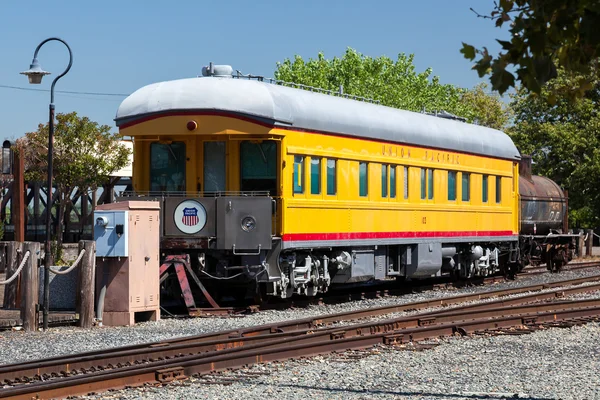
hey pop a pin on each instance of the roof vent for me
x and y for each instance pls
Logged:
(220, 71)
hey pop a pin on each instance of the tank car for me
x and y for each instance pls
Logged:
(544, 236)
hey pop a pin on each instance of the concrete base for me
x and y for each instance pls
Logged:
(129, 318)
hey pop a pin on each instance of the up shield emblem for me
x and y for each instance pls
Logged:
(189, 217)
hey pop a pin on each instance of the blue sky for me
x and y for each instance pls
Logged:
(120, 46)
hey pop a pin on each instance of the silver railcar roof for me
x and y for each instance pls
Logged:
(297, 108)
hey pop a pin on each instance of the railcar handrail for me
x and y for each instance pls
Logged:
(248, 193)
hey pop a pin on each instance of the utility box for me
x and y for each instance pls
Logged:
(127, 236)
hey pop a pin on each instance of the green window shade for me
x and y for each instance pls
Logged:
(298, 174)
(484, 189)
(384, 182)
(451, 185)
(392, 181)
(498, 189)
(315, 176)
(167, 167)
(331, 176)
(423, 184)
(363, 179)
(258, 166)
(406, 182)
(465, 187)
(430, 183)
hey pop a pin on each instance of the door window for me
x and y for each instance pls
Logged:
(167, 167)
(258, 163)
(214, 167)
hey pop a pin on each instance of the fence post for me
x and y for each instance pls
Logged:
(30, 291)
(86, 286)
(3, 256)
(590, 242)
(13, 259)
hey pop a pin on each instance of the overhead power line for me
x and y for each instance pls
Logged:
(64, 91)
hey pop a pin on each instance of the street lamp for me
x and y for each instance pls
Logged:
(35, 75)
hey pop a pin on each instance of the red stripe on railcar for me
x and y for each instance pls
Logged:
(293, 237)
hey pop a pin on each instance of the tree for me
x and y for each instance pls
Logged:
(544, 35)
(486, 109)
(393, 83)
(84, 156)
(563, 137)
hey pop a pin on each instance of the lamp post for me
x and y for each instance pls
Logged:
(35, 75)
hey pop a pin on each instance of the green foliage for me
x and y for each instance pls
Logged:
(85, 153)
(544, 35)
(563, 137)
(486, 109)
(84, 156)
(393, 83)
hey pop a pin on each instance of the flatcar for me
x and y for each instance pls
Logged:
(278, 191)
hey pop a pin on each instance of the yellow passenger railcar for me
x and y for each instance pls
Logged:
(291, 191)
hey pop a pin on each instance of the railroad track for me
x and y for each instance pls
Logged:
(174, 359)
(569, 267)
(383, 290)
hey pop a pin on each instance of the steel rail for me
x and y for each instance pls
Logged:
(569, 267)
(277, 348)
(130, 357)
(232, 338)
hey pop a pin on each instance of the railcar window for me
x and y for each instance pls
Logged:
(258, 162)
(484, 189)
(315, 176)
(363, 179)
(167, 167)
(423, 184)
(466, 180)
(498, 189)
(430, 183)
(298, 174)
(452, 185)
(331, 177)
(392, 181)
(384, 182)
(214, 166)
(406, 182)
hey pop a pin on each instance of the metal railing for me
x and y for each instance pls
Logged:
(339, 93)
(158, 194)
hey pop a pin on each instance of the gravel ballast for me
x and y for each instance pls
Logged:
(551, 364)
(557, 363)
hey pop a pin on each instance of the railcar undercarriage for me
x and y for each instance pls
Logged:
(307, 272)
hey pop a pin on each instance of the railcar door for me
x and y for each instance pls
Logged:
(259, 162)
(214, 167)
(167, 167)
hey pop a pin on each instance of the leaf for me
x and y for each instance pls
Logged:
(505, 44)
(506, 5)
(468, 51)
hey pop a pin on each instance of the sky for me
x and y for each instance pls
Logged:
(121, 46)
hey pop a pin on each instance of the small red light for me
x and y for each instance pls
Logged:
(192, 125)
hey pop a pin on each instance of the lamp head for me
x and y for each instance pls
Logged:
(35, 72)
